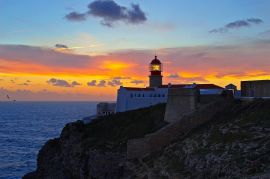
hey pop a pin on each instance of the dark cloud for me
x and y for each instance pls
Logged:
(110, 12)
(255, 20)
(61, 46)
(75, 16)
(92, 83)
(75, 83)
(137, 82)
(237, 25)
(175, 75)
(62, 83)
(115, 83)
(101, 83)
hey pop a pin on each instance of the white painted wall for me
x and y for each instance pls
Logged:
(131, 99)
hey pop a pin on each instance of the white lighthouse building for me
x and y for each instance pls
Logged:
(130, 98)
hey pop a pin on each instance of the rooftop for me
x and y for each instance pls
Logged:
(200, 86)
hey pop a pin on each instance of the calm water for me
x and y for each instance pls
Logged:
(26, 126)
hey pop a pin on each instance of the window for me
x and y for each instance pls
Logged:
(131, 95)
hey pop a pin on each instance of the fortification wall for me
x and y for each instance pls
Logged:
(181, 101)
(138, 148)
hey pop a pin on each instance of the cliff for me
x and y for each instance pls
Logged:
(98, 149)
(234, 144)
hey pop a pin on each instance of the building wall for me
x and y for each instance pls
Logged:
(155, 81)
(181, 101)
(131, 99)
(260, 88)
(104, 108)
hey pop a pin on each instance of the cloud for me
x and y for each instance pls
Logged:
(42, 56)
(255, 20)
(174, 75)
(61, 46)
(23, 84)
(75, 83)
(115, 83)
(137, 82)
(265, 33)
(75, 16)
(193, 80)
(120, 78)
(101, 83)
(92, 83)
(237, 25)
(184, 79)
(62, 83)
(110, 12)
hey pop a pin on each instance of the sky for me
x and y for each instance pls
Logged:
(83, 50)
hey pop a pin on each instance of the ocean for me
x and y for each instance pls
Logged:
(26, 126)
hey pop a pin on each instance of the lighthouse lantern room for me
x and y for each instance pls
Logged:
(155, 78)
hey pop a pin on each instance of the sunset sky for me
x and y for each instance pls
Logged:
(85, 49)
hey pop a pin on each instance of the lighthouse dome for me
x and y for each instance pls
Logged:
(155, 61)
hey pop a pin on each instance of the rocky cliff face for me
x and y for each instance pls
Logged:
(98, 149)
(235, 144)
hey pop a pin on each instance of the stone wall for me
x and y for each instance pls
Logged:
(181, 101)
(138, 148)
(259, 88)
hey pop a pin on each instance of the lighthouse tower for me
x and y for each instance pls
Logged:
(155, 78)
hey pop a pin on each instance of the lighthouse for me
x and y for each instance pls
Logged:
(131, 98)
(155, 68)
